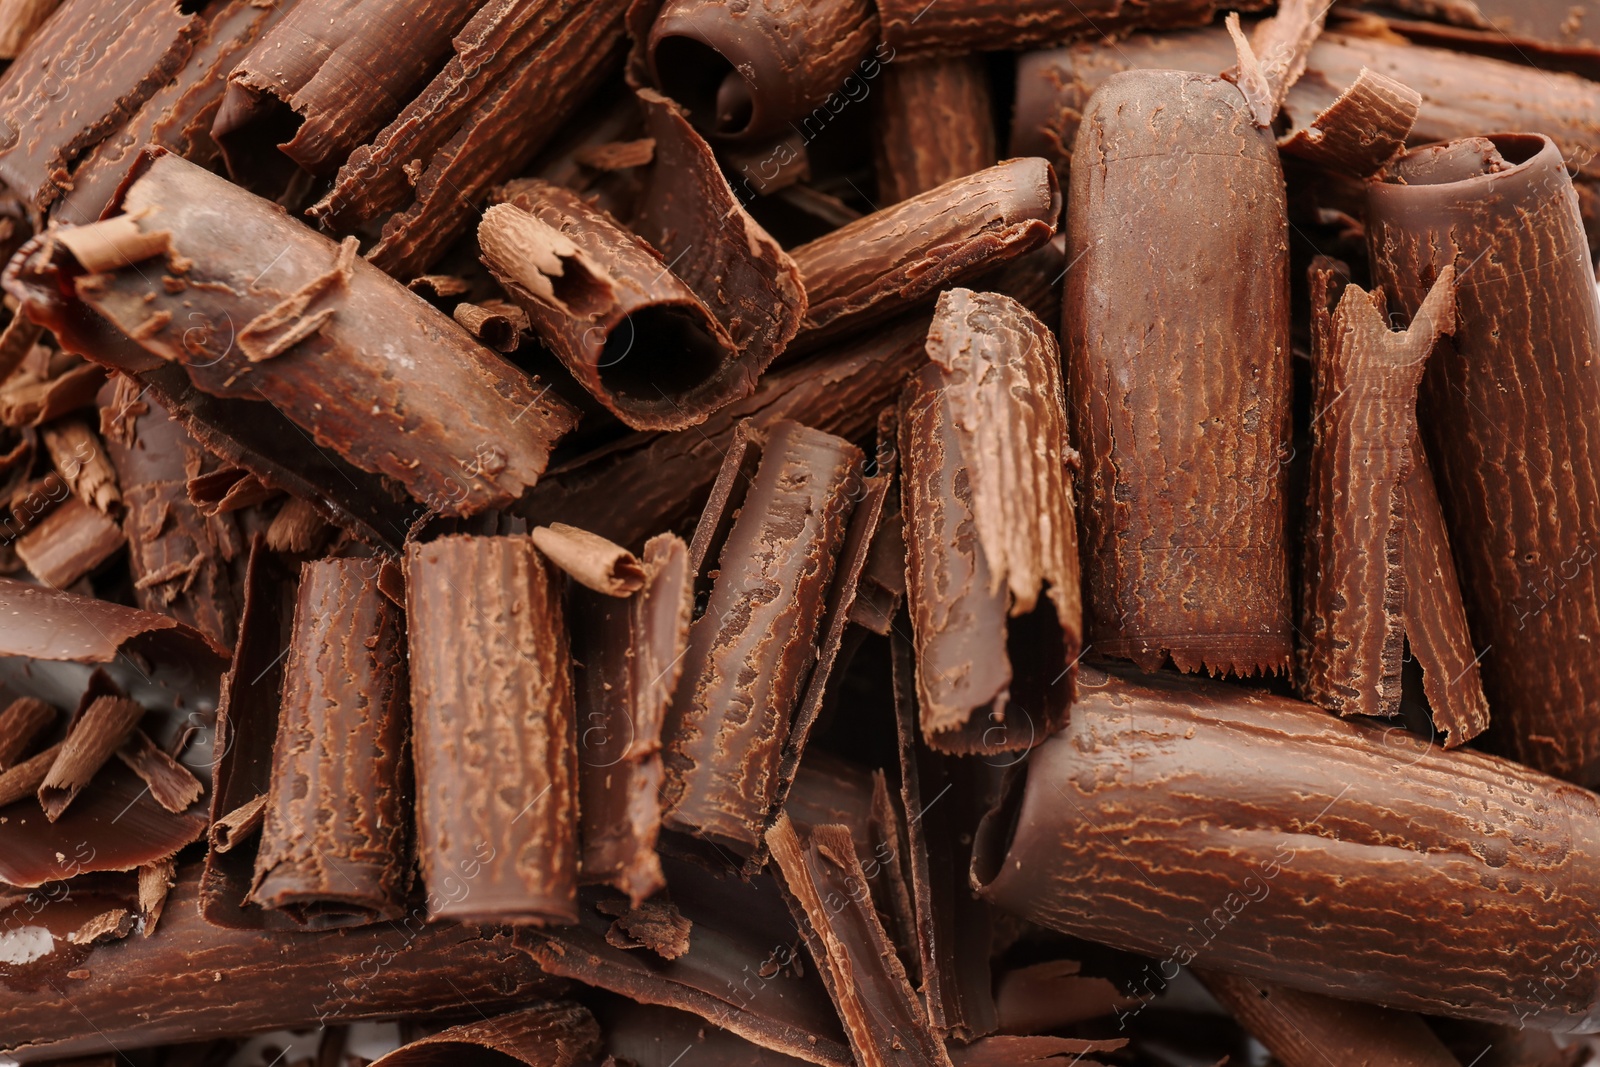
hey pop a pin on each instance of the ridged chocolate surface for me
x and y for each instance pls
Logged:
(1176, 327)
(1511, 411)
(493, 732)
(1188, 820)
(551, 1034)
(954, 27)
(933, 124)
(335, 838)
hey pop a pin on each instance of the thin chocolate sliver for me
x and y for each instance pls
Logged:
(23, 778)
(494, 731)
(92, 740)
(21, 722)
(72, 541)
(991, 530)
(933, 125)
(1181, 424)
(335, 847)
(1283, 819)
(956, 27)
(1509, 410)
(551, 1034)
(172, 784)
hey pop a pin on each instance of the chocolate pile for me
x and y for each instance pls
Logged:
(587, 532)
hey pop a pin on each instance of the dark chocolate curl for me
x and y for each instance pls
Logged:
(956, 27)
(493, 731)
(1553, 34)
(1191, 820)
(1511, 410)
(934, 124)
(748, 70)
(991, 529)
(52, 624)
(1176, 323)
(552, 1034)
(335, 840)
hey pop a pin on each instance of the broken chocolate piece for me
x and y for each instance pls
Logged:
(933, 123)
(1053, 995)
(155, 882)
(24, 778)
(20, 723)
(170, 782)
(81, 461)
(70, 542)
(654, 925)
(98, 733)
(493, 738)
(1181, 424)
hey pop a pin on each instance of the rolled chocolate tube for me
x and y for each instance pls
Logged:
(934, 124)
(955, 27)
(493, 734)
(991, 529)
(1181, 424)
(1511, 410)
(192, 981)
(1193, 821)
(1554, 34)
(335, 839)
(745, 71)
(749, 653)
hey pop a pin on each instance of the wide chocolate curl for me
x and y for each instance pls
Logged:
(933, 124)
(334, 841)
(550, 1034)
(748, 70)
(991, 529)
(955, 27)
(1176, 322)
(1192, 821)
(750, 652)
(1511, 410)
(493, 731)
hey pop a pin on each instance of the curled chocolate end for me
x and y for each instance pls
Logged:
(1468, 157)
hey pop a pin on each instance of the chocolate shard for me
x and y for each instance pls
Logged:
(172, 785)
(91, 740)
(108, 58)
(1181, 426)
(326, 78)
(1362, 130)
(1364, 395)
(54, 625)
(956, 27)
(1503, 213)
(934, 124)
(193, 981)
(750, 652)
(747, 71)
(885, 1021)
(494, 732)
(72, 541)
(227, 489)
(487, 430)
(991, 537)
(335, 847)
(22, 721)
(890, 260)
(657, 926)
(1304, 1029)
(627, 657)
(1271, 859)
(550, 1034)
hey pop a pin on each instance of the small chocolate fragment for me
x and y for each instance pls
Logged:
(493, 738)
(335, 839)
(992, 529)
(24, 777)
(238, 825)
(933, 124)
(745, 71)
(155, 883)
(551, 1034)
(93, 738)
(591, 560)
(20, 723)
(655, 925)
(80, 459)
(1176, 328)
(172, 785)
(73, 540)
(749, 653)
(1510, 410)
(27, 399)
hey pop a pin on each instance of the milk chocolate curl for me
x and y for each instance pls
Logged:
(552, 1034)
(104, 725)
(885, 262)
(751, 650)
(747, 70)
(1553, 34)
(172, 784)
(590, 559)
(260, 307)
(1364, 396)
(19, 21)
(334, 844)
(956, 27)
(1176, 322)
(493, 732)
(991, 530)
(1511, 410)
(1189, 820)
(1272, 59)
(627, 656)
(1361, 131)
(50, 624)
(1306, 1030)
(933, 124)
(20, 723)
(72, 541)
(24, 777)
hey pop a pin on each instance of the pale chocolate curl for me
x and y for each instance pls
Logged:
(594, 562)
(113, 243)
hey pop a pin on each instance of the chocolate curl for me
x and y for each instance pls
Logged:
(170, 782)
(886, 262)
(72, 541)
(1295, 834)
(552, 1034)
(494, 731)
(934, 125)
(24, 779)
(19, 21)
(749, 653)
(590, 559)
(29, 400)
(81, 461)
(230, 830)
(334, 844)
(1364, 395)
(992, 524)
(1361, 131)
(1501, 210)
(1306, 1030)
(22, 721)
(92, 740)
(957, 27)
(1181, 427)
(1274, 56)
(238, 263)
(155, 883)
(627, 656)
(747, 71)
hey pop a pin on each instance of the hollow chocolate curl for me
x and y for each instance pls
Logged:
(552, 1034)
(748, 70)
(933, 124)
(954, 27)
(1189, 820)
(1176, 330)
(1511, 410)
(991, 530)
(493, 731)
(53, 624)
(335, 838)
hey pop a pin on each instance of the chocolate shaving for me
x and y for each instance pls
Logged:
(653, 925)
(171, 783)
(73, 540)
(91, 741)
(551, 1034)
(80, 459)
(53, 625)
(290, 320)
(934, 125)
(1362, 130)
(238, 825)
(155, 882)
(296, 526)
(24, 779)
(16, 341)
(227, 489)
(494, 327)
(28, 400)
(22, 721)
(590, 559)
